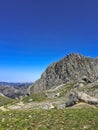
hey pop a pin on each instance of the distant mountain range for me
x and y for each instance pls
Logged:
(14, 90)
(14, 84)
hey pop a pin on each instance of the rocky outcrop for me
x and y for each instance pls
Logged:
(87, 98)
(73, 67)
(75, 97)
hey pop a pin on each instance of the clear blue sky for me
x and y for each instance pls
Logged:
(34, 33)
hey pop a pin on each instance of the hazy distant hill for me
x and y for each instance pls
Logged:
(14, 84)
(14, 90)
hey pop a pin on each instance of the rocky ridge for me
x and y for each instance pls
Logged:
(72, 68)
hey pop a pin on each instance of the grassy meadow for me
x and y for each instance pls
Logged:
(54, 119)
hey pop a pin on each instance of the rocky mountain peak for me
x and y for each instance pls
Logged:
(73, 67)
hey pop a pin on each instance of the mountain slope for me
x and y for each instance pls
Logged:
(73, 67)
(5, 100)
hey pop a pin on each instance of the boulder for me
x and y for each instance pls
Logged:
(71, 99)
(86, 98)
(75, 97)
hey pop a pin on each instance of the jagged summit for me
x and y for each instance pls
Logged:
(74, 54)
(73, 67)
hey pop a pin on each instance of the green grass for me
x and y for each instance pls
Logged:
(66, 89)
(35, 97)
(42, 96)
(62, 119)
(93, 88)
(88, 89)
(5, 101)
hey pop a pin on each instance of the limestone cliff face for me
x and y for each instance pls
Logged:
(73, 67)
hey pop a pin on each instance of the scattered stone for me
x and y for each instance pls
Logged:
(52, 95)
(48, 106)
(30, 100)
(3, 108)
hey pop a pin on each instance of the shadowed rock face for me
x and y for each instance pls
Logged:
(73, 67)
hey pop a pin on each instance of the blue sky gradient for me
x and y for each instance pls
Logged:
(34, 34)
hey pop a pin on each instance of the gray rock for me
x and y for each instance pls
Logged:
(87, 98)
(75, 97)
(52, 95)
(30, 100)
(73, 67)
(71, 99)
